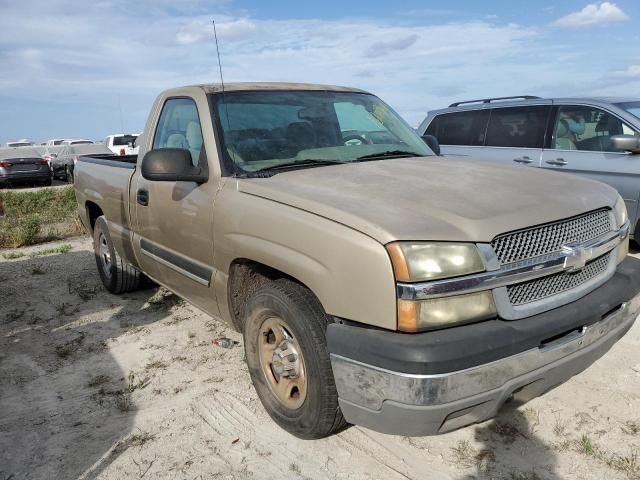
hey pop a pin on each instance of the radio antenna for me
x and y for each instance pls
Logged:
(215, 36)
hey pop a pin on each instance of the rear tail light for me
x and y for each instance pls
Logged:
(122, 152)
(42, 162)
(5, 164)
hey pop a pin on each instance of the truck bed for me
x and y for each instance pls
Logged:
(103, 181)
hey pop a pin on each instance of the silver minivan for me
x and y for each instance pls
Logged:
(595, 137)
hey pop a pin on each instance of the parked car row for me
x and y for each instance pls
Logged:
(25, 162)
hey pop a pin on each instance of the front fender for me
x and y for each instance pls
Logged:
(349, 272)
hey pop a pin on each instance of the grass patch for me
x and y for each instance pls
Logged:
(60, 250)
(124, 402)
(629, 465)
(13, 255)
(465, 456)
(631, 427)
(67, 349)
(139, 439)
(156, 365)
(38, 216)
(506, 431)
(83, 288)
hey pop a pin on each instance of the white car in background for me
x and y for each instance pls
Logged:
(54, 142)
(122, 143)
(20, 143)
(76, 142)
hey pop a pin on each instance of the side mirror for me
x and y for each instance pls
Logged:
(432, 143)
(171, 165)
(626, 143)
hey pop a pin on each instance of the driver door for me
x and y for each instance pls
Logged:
(174, 220)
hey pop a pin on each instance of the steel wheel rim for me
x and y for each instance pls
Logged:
(104, 252)
(282, 363)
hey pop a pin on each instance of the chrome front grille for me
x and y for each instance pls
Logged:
(527, 292)
(549, 238)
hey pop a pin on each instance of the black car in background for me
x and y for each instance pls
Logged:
(63, 164)
(23, 165)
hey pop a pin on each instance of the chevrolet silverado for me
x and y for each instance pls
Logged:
(374, 282)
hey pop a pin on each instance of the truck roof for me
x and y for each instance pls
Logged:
(249, 86)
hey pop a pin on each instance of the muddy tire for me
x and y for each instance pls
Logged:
(285, 344)
(117, 275)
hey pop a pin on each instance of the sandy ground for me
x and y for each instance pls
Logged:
(94, 385)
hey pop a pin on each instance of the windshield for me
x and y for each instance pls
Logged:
(632, 107)
(124, 140)
(266, 129)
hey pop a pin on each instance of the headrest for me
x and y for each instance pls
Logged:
(194, 135)
(177, 140)
(562, 129)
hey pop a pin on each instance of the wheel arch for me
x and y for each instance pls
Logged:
(93, 212)
(246, 276)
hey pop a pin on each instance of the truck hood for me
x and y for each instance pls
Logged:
(433, 198)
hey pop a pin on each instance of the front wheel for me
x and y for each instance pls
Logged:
(285, 345)
(117, 275)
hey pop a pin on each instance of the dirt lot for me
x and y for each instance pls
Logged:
(98, 386)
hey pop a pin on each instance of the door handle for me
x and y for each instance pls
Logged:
(558, 161)
(143, 197)
(524, 159)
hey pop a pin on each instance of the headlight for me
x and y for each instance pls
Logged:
(417, 315)
(420, 261)
(623, 250)
(424, 261)
(620, 212)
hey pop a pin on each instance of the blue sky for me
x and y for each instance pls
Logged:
(69, 67)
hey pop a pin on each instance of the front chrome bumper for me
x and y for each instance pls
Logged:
(409, 404)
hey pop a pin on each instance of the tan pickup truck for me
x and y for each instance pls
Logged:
(374, 282)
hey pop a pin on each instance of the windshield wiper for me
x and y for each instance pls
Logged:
(307, 162)
(388, 154)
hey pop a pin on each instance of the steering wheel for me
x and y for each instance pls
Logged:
(352, 140)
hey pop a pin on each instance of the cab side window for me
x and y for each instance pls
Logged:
(522, 127)
(460, 128)
(587, 129)
(179, 127)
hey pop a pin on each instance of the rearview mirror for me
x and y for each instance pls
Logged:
(171, 165)
(432, 143)
(626, 143)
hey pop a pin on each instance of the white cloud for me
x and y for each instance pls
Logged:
(380, 49)
(593, 14)
(632, 71)
(202, 30)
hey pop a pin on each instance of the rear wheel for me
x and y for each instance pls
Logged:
(286, 351)
(117, 275)
(68, 174)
